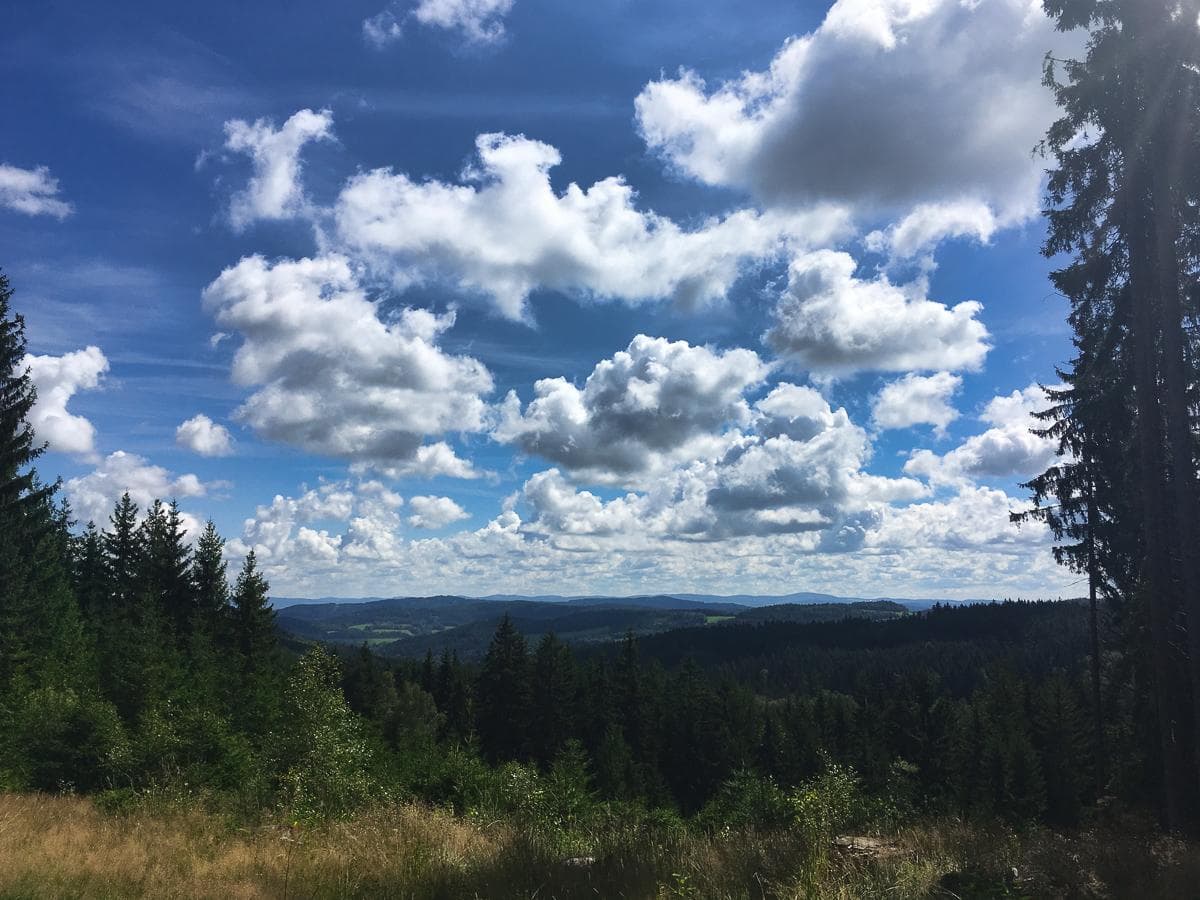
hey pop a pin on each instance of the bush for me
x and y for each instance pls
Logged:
(64, 740)
(748, 800)
(829, 804)
(188, 746)
(328, 760)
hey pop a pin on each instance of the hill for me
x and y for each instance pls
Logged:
(412, 626)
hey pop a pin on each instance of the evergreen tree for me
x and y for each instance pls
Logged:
(122, 555)
(554, 699)
(253, 620)
(41, 634)
(256, 651)
(165, 571)
(212, 607)
(1123, 204)
(503, 692)
(90, 574)
(24, 501)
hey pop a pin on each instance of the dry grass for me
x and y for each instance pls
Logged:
(52, 847)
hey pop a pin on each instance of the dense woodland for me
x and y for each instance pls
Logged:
(132, 665)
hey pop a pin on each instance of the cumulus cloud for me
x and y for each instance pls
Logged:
(274, 190)
(333, 378)
(477, 21)
(57, 379)
(917, 400)
(505, 231)
(93, 495)
(798, 469)
(434, 512)
(202, 435)
(974, 518)
(33, 192)
(889, 105)
(653, 405)
(344, 538)
(802, 471)
(1007, 449)
(831, 321)
(920, 230)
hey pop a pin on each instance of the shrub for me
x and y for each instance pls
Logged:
(65, 740)
(328, 760)
(748, 800)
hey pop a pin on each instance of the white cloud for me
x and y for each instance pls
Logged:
(93, 495)
(274, 190)
(435, 512)
(382, 29)
(888, 105)
(803, 471)
(33, 192)
(1007, 449)
(653, 405)
(799, 471)
(202, 435)
(920, 230)
(917, 400)
(332, 378)
(830, 321)
(57, 379)
(975, 518)
(481, 21)
(505, 231)
(344, 539)
(477, 21)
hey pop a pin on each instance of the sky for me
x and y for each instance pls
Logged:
(513, 296)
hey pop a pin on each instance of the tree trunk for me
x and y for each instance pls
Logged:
(1144, 105)
(1157, 581)
(1184, 496)
(1094, 624)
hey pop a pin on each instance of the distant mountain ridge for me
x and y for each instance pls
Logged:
(413, 626)
(659, 601)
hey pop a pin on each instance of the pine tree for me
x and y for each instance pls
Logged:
(24, 500)
(22, 497)
(1123, 204)
(503, 694)
(253, 618)
(553, 699)
(165, 576)
(256, 650)
(212, 611)
(122, 554)
(89, 576)
(41, 636)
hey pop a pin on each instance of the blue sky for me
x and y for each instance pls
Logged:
(500, 295)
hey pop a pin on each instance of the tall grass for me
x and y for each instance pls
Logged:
(52, 847)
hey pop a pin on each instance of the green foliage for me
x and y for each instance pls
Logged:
(748, 800)
(327, 761)
(503, 710)
(58, 739)
(829, 805)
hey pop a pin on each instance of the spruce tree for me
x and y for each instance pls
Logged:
(40, 629)
(554, 699)
(1123, 205)
(503, 693)
(253, 618)
(212, 610)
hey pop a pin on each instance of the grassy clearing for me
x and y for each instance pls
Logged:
(53, 847)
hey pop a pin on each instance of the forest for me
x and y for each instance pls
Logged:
(165, 732)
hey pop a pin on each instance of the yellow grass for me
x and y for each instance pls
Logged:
(52, 847)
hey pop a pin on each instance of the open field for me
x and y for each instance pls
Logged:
(52, 847)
